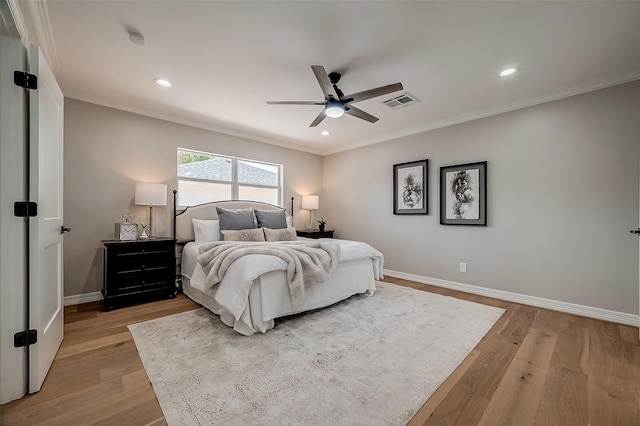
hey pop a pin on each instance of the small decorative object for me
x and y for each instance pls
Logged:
(126, 217)
(143, 235)
(126, 231)
(410, 187)
(321, 224)
(463, 194)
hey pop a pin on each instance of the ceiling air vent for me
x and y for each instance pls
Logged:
(400, 101)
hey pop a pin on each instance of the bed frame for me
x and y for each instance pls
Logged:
(183, 227)
(268, 296)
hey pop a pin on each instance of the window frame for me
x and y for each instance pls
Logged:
(235, 184)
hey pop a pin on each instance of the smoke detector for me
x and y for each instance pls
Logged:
(402, 100)
(136, 38)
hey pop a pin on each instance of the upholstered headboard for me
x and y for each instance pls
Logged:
(183, 226)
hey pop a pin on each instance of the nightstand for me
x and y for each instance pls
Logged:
(315, 234)
(138, 271)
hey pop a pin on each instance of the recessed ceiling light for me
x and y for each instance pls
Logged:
(508, 71)
(162, 82)
(325, 133)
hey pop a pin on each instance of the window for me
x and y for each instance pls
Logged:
(205, 177)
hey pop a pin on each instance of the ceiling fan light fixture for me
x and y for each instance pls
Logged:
(334, 110)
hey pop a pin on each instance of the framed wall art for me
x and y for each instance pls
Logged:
(410, 187)
(463, 194)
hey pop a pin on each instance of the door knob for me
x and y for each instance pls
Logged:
(64, 229)
(635, 231)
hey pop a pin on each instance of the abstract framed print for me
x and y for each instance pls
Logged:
(410, 187)
(463, 194)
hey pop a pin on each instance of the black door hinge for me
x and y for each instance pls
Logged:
(25, 338)
(26, 80)
(25, 209)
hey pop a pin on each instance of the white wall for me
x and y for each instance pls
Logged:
(107, 151)
(562, 196)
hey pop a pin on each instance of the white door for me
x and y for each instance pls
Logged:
(13, 302)
(46, 106)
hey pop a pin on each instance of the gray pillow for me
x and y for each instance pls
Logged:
(236, 218)
(272, 219)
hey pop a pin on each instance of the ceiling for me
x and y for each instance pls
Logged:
(226, 59)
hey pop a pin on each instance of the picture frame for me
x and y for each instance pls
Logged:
(463, 194)
(410, 188)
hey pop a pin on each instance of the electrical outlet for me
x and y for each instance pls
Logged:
(463, 267)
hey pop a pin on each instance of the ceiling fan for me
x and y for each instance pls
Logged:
(335, 102)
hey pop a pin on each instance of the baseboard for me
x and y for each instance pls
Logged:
(77, 299)
(555, 305)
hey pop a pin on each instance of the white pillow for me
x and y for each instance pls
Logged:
(289, 225)
(206, 231)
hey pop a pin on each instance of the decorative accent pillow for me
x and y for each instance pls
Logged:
(273, 219)
(236, 218)
(286, 234)
(206, 231)
(243, 235)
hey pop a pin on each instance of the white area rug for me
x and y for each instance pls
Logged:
(365, 361)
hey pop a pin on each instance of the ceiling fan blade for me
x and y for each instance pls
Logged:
(295, 102)
(372, 93)
(318, 119)
(324, 82)
(351, 110)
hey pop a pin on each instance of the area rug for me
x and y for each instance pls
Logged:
(364, 361)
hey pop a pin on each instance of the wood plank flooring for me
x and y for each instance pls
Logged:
(535, 367)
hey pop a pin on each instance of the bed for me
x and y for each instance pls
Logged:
(267, 296)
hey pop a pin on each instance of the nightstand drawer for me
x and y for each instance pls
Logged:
(135, 263)
(141, 279)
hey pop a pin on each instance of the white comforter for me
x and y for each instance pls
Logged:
(233, 291)
(308, 262)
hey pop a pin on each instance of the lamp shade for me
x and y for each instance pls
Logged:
(310, 202)
(151, 194)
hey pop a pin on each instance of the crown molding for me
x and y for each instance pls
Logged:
(18, 20)
(625, 78)
(191, 122)
(42, 27)
(299, 146)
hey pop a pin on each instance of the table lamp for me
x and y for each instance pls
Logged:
(151, 194)
(310, 202)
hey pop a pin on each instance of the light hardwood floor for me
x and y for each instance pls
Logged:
(534, 367)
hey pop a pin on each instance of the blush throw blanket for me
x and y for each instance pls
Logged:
(307, 263)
